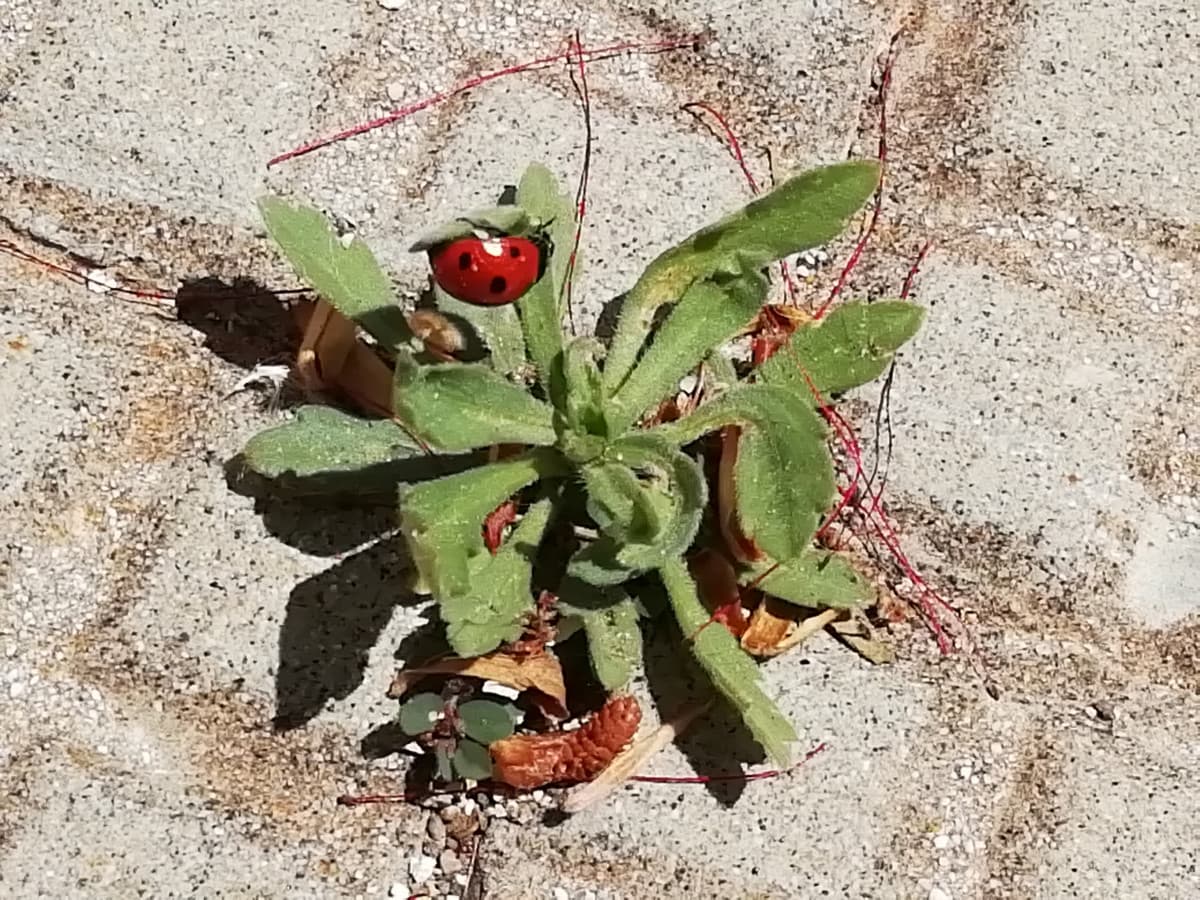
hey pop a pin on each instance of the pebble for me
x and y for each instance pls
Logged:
(936, 893)
(395, 91)
(436, 829)
(420, 868)
(392, 5)
(942, 841)
(398, 889)
(449, 862)
(560, 894)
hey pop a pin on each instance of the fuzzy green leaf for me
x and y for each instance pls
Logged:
(443, 519)
(783, 476)
(539, 195)
(731, 670)
(817, 579)
(710, 313)
(497, 328)
(493, 609)
(419, 713)
(472, 760)
(619, 503)
(485, 721)
(345, 274)
(681, 498)
(610, 622)
(805, 211)
(576, 387)
(675, 484)
(720, 375)
(539, 307)
(326, 451)
(851, 346)
(457, 407)
(506, 219)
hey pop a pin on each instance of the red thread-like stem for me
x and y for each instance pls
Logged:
(470, 84)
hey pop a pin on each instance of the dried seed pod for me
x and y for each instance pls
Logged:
(442, 337)
(534, 760)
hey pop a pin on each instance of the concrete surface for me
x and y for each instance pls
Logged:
(186, 674)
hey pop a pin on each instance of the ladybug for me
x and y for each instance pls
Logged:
(489, 269)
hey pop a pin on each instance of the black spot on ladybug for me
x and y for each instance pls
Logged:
(464, 261)
(498, 285)
(514, 252)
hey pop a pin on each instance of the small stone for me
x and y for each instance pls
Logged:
(392, 5)
(460, 826)
(398, 889)
(436, 829)
(16, 689)
(449, 862)
(420, 868)
(936, 893)
(942, 841)
(395, 91)
(560, 894)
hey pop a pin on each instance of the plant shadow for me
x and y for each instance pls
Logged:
(333, 620)
(718, 742)
(243, 322)
(317, 524)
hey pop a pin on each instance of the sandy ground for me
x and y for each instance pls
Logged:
(1046, 476)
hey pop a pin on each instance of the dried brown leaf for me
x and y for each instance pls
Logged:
(329, 337)
(332, 359)
(743, 548)
(770, 623)
(857, 635)
(540, 672)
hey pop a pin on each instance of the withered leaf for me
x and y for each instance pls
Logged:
(857, 635)
(332, 358)
(769, 625)
(540, 672)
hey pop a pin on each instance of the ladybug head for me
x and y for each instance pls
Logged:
(538, 233)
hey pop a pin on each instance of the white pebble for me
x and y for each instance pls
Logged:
(398, 889)
(942, 841)
(501, 690)
(420, 868)
(560, 894)
(936, 893)
(392, 5)
(100, 282)
(16, 689)
(395, 91)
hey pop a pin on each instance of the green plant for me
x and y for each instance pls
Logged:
(458, 733)
(614, 500)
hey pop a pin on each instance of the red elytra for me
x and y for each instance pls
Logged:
(487, 271)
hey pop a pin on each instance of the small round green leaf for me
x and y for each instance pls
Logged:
(472, 760)
(419, 713)
(485, 721)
